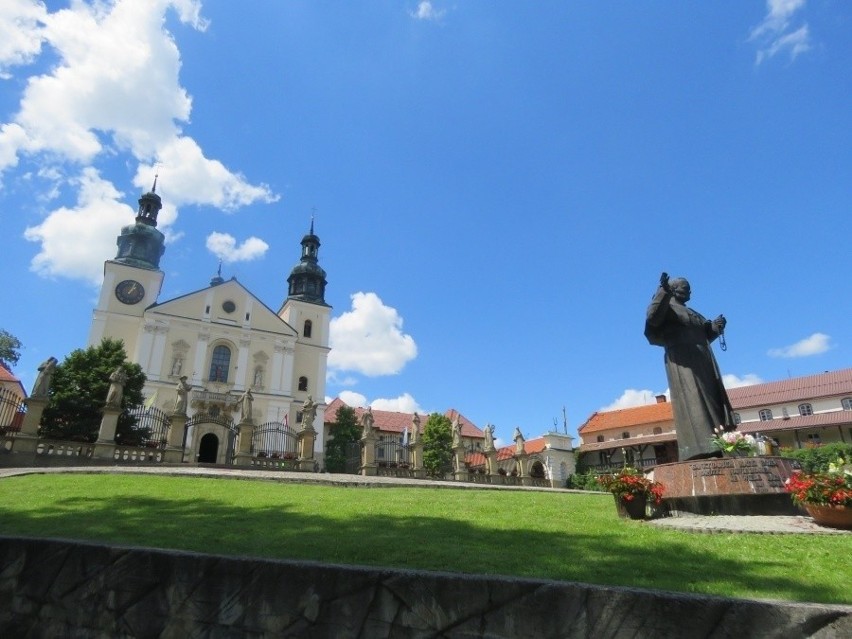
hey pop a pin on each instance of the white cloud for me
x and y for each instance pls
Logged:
(21, 23)
(405, 403)
(225, 247)
(813, 345)
(353, 399)
(94, 224)
(732, 381)
(114, 90)
(426, 11)
(775, 33)
(369, 338)
(632, 397)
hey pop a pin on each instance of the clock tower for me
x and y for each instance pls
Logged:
(133, 279)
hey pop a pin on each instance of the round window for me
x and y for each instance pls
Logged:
(229, 306)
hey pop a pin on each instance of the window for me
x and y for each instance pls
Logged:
(600, 438)
(220, 363)
(303, 383)
(309, 325)
(805, 410)
(814, 440)
(737, 419)
(658, 430)
(846, 402)
(625, 435)
(299, 417)
(765, 414)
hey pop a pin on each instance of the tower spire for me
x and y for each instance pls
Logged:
(141, 244)
(307, 279)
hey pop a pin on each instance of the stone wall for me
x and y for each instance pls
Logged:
(55, 588)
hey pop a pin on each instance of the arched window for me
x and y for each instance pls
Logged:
(220, 363)
(846, 403)
(309, 325)
(303, 383)
(806, 409)
(765, 414)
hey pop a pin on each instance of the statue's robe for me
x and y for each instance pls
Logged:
(699, 400)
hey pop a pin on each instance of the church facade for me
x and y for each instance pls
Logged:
(221, 339)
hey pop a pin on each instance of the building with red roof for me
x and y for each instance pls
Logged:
(795, 412)
(551, 457)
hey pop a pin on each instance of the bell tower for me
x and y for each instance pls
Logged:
(306, 311)
(132, 280)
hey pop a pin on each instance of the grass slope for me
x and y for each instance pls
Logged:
(542, 535)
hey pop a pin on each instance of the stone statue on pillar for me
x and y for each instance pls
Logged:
(117, 380)
(245, 404)
(489, 438)
(367, 422)
(519, 441)
(309, 413)
(46, 369)
(182, 400)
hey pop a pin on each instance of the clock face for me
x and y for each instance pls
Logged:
(129, 292)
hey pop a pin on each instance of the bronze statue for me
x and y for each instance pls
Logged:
(699, 400)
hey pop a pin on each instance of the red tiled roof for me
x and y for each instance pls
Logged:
(793, 390)
(817, 420)
(622, 418)
(531, 447)
(394, 422)
(8, 378)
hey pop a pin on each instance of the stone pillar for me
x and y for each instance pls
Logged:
(105, 446)
(307, 438)
(245, 429)
(174, 443)
(26, 441)
(491, 466)
(368, 453)
(417, 469)
(460, 473)
(522, 459)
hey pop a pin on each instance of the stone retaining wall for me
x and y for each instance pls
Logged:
(55, 588)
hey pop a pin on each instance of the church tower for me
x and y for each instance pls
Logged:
(132, 280)
(306, 311)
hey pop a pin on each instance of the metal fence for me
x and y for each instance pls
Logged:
(151, 429)
(274, 440)
(392, 454)
(12, 411)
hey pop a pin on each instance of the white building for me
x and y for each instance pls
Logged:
(222, 338)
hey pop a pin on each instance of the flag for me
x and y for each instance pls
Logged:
(286, 421)
(150, 401)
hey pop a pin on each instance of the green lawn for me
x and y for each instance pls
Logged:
(565, 536)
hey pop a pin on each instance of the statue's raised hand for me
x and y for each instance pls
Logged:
(664, 282)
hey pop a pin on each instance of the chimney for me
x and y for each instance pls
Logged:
(661, 399)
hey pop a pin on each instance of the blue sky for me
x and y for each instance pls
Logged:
(497, 185)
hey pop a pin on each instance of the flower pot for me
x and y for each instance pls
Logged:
(831, 516)
(633, 508)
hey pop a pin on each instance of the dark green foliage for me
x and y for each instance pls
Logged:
(78, 393)
(584, 481)
(437, 445)
(344, 431)
(817, 458)
(10, 347)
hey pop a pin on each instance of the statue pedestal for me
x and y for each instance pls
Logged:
(728, 486)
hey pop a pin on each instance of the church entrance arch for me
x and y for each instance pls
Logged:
(208, 448)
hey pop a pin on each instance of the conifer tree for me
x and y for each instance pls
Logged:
(437, 445)
(344, 431)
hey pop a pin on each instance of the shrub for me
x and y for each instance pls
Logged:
(817, 459)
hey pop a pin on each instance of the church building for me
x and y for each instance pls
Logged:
(221, 339)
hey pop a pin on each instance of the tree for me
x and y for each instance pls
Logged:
(10, 347)
(344, 431)
(79, 389)
(437, 445)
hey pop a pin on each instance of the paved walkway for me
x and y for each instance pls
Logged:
(760, 524)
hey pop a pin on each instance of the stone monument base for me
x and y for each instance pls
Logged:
(728, 486)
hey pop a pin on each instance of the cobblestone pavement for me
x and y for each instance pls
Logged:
(759, 524)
